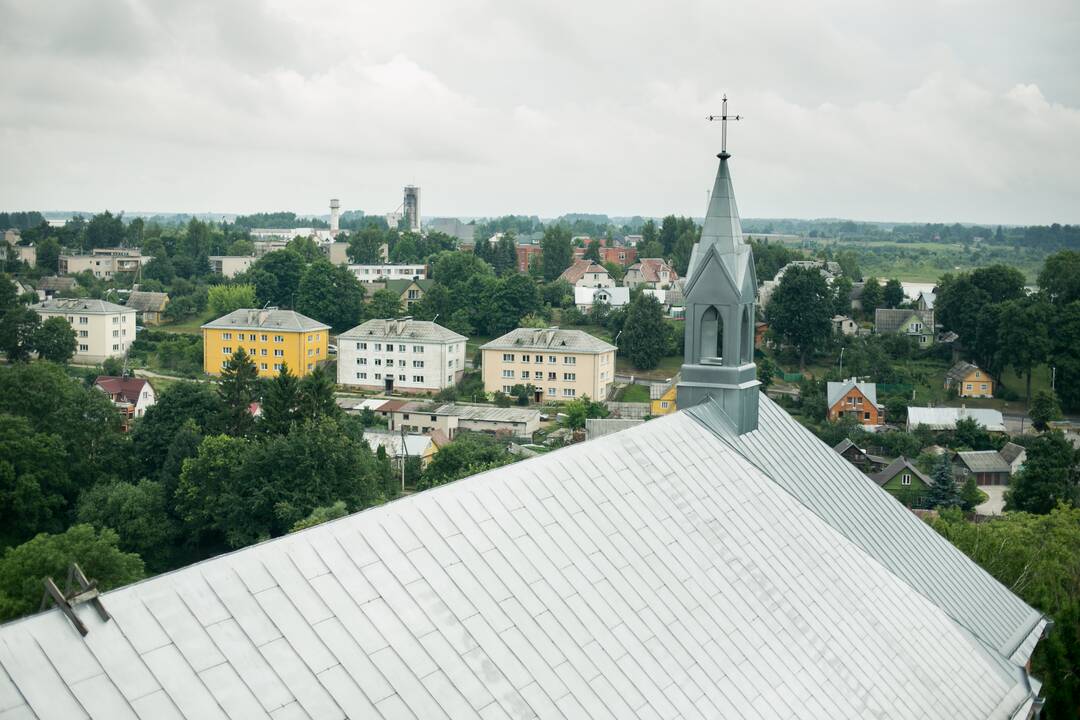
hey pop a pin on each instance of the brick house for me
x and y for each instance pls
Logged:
(854, 398)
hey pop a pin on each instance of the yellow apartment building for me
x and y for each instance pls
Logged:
(270, 336)
(562, 365)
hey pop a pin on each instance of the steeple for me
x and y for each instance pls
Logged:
(720, 288)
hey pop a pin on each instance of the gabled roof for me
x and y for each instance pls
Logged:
(555, 339)
(615, 296)
(837, 390)
(901, 463)
(125, 389)
(984, 461)
(267, 319)
(578, 270)
(413, 445)
(658, 390)
(662, 571)
(402, 329)
(945, 418)
(960, 371)
(844, 445)
(599, 427)
(890, 320)
(650, 269)
(145, 301)
(489, 413)
(1010, 451)
(83, 306)
(400, 285)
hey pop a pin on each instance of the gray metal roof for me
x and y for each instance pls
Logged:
(984, 461)
(837, 390)
(144, 300)
(901, 463)
(1011, 451)
(84, 306)
(490, 413)
(599, 427)
(402, 329)
(852, 504)
(553, 339)
(889, 320)
(945, 418)
(960, 371)
(268, 319)
(656, 572)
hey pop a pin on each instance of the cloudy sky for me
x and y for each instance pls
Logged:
(945, 110)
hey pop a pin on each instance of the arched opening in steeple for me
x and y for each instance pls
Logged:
(711, 346)
(747, 337)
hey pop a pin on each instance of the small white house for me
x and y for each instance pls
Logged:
(586, 297)
(400, 354)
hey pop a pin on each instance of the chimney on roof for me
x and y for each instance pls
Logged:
(251, 314)
(264, 314)
(398, 325)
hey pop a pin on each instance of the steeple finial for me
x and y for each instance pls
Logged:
(723, 117)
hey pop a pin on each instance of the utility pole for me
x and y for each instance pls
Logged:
(842, 363)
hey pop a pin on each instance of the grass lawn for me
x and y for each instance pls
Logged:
(189, 326)
(633, 393)
(667, 368)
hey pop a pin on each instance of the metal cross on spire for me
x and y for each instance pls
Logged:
(723, 117)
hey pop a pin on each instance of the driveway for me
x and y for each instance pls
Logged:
(995, 504)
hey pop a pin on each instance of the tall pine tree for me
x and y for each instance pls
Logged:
(279, 408)
(238, 388)
(943, 493)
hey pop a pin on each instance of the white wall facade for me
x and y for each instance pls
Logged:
(379, 273)
(416, 365)
(99, 335)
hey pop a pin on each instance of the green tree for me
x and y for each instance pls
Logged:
(1044, 408)
(873, 295)
(104, 230)
(183, 413)
(365, 246)
(644, 332)
(969, 433)
(18, 324)
(224, 299)
(580, 410)
(54, 340)
(281, 401)
(276, 276)
(48, 254)
(305, 248)
(1050, 475)
(34, 484)
(684, 245)
(315, 396)
(23, 568)
(515, 296)
(468, 454)
(943, 493)
(893, 294)
(319, 515)
(800, 311)
(384, 304)
(592, 251)
(139, 513)
(238, 388)
(1024, 335)
(557, 253)
(1063, 355)
(1059, 277)
(331, 294)
(766, 372)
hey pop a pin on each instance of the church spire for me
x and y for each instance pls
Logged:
(720, 289)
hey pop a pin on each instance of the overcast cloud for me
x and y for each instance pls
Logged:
(962, 110)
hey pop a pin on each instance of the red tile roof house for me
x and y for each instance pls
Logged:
(131, 396)
(651, 272)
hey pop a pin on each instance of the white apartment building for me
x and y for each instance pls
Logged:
(400, 354)
(230, 265)
(104, 262)
(102, 329)
(384, 272)
(561, 365)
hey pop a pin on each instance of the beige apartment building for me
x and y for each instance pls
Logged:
(102, 329)
(104, 262)
(562, 365)
(230, 265)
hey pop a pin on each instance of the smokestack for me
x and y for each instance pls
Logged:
(335, 212)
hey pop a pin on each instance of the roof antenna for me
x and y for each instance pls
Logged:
(87, 592)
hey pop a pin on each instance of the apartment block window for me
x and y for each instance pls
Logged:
(279, 338)
(362, 361)
(361, 376)
(116, 319)
(116, 333)
(506, 389)
(115, 347)
(309, 338)
(84, 321)
(508, 373)
(361, 346)
(418, 363)
(569, 360)
(553, 376)
(508, 357)
(310, 352)
(262, 338)
(378, 347)
(84, 333)
(524, 374)
(318, 351)
(551, 391)
(418, 378)
(552, 359)
(279, 353)
(263, 352)
(540, 359)
(251, 337)
(401, 378)
(262, 366)
(569, 376)
(226, 350)
(401, 348)
(905, 479)
(84, 348)
(378, 361)
(277, 366)
(569, 392)
(524, 358)
(418, 348)
(378, 376)
(309, 366)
